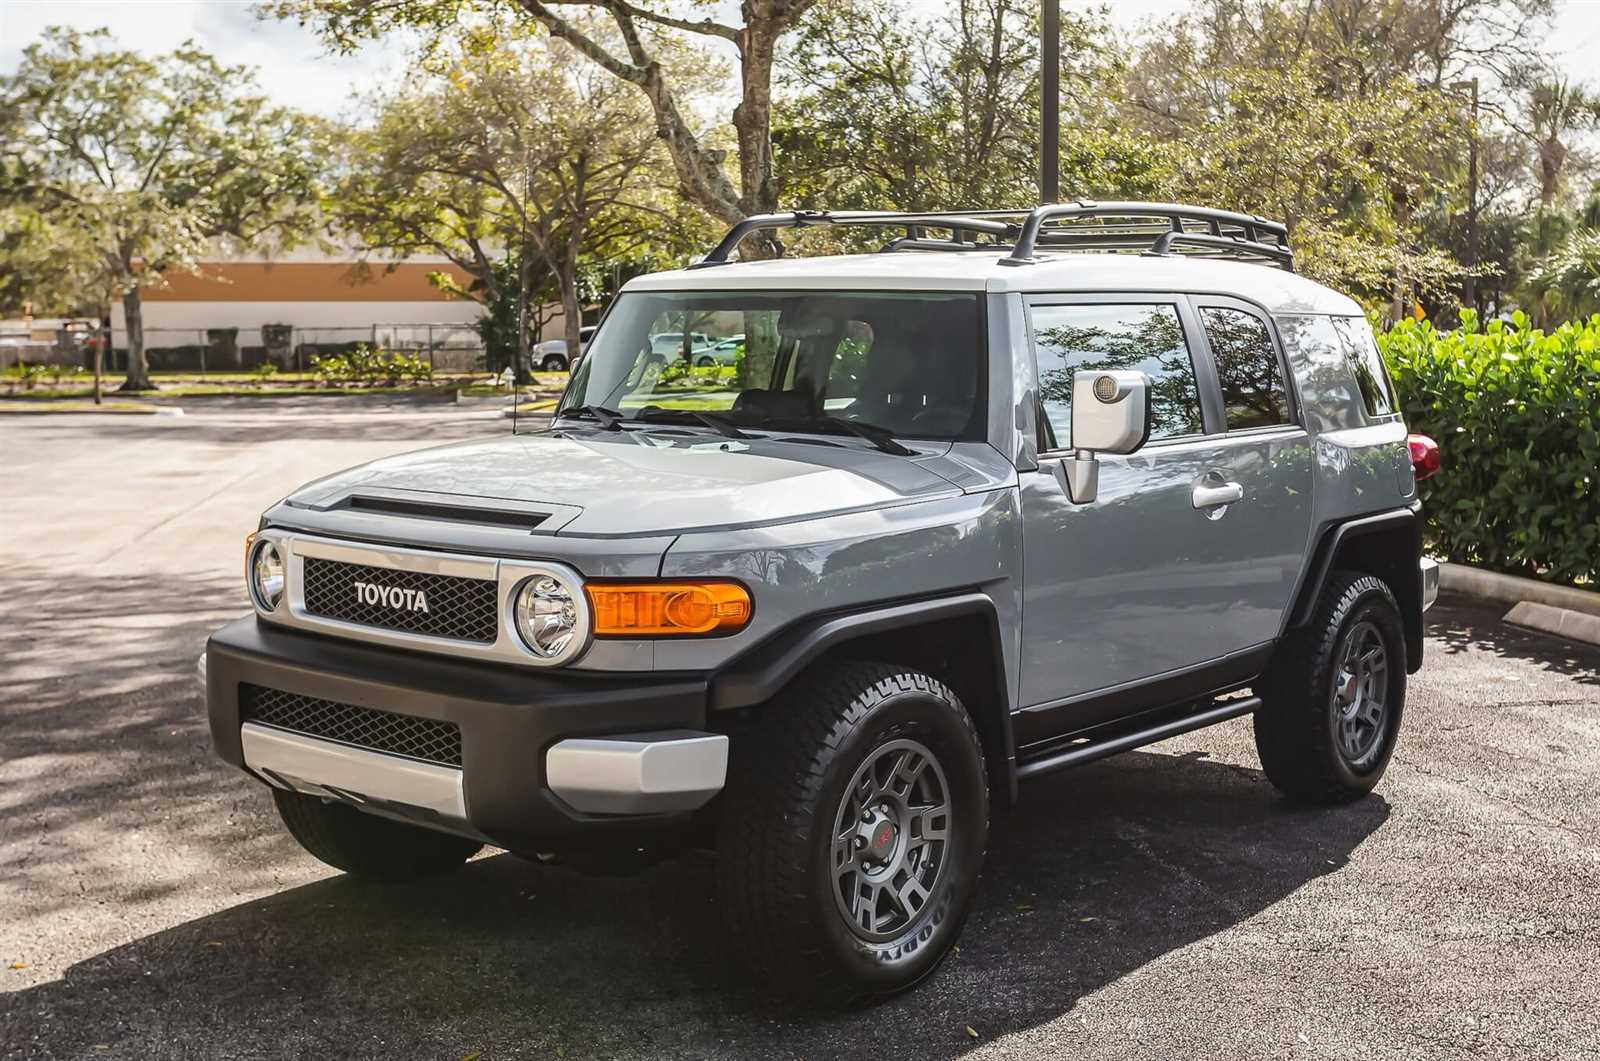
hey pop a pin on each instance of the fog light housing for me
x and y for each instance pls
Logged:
(550, 618)
(266, 576)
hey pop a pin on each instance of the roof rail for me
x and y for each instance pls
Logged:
(957, 221)
(1243, 237)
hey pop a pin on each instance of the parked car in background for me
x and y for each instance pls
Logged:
(551, 355)
(723, 352)
(670, 344)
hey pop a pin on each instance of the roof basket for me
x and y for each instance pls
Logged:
(1151, 229)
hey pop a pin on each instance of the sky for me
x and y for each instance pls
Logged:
(295, 69)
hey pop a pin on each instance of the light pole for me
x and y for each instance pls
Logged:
(1469, 287)
(1050, 109)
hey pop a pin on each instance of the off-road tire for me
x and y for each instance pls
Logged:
(1298, 727)
(365, 845)
(787, 784)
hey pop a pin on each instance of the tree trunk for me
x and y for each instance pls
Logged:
(752, 118)
(138, 369)
(1552, 157)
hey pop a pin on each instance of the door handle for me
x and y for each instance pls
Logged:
(1212, 496)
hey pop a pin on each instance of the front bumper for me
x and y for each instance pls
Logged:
(545, 759)
(1430, 582)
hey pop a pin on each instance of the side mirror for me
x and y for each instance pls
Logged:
(1110, 414)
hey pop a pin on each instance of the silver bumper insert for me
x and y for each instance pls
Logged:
(1430, 582)
(651, 773)
(319, 767)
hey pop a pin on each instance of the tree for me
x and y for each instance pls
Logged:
(1555, 111)
(632, 50)
(516, 151)
(886, 108)
(139, 165)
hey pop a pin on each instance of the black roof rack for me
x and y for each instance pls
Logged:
(1153, 229)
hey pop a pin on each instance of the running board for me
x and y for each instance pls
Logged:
(1091, 750)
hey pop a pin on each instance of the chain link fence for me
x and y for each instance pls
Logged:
(291, 348)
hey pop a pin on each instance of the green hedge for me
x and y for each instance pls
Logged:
(1516, 413)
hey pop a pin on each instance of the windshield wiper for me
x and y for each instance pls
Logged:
(721, 425)
(880, 437)
(610, 419)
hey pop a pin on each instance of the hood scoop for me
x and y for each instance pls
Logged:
(516, 518)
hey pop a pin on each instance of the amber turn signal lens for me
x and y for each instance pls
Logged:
(668, 609)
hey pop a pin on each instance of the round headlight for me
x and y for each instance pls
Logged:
(547, 615)
(266, 576)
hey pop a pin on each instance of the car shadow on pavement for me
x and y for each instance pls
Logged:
(1098, 873)
(1468, 625)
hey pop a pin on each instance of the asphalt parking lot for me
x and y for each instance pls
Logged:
(1163, 904)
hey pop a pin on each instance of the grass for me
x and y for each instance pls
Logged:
(20, 407)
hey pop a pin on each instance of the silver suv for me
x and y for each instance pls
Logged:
(977, 508)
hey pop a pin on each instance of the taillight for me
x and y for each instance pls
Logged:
(1424, 456)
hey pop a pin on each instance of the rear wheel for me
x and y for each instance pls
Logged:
(366, 845)
(1335, 693)
(855, 826)
(706, 362)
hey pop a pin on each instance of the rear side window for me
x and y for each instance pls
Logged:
(1366, 364)
(1146, 338)
(1253, 393)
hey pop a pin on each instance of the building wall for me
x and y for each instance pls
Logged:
(336, 298)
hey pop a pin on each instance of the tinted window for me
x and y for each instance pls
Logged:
(910, 363)
(1148, 339)
(1253, 394)
(1366, 364)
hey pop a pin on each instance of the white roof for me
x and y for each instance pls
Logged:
(1277, 291)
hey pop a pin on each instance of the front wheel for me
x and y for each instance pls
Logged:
(553, 363)
(1334, 694)
(855, 825)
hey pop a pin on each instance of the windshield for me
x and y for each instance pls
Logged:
(907, 363)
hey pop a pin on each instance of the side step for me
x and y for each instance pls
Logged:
(1090, 749)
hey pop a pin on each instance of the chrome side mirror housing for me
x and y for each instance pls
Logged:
(1110, 414)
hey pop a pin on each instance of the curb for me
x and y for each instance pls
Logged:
(1509, 589)
(1561, 622)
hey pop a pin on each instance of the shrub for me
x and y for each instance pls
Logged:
(370, 366)
(1516, 413)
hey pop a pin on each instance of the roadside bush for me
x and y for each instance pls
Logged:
(370, 366)
(1516, 413)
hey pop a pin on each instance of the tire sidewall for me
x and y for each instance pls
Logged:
(900, 962)
(1372, 605)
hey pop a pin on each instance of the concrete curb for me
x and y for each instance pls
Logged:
(1562, 622)
(1509, 589)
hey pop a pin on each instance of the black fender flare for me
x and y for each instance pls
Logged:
(760, 672)
(1409, 590)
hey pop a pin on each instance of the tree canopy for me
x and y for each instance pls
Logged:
(134, 165)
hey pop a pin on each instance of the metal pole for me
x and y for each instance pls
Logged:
(1050, 103)
(1472, 204)
(1469, 286)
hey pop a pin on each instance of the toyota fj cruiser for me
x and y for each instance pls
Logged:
(969, 509)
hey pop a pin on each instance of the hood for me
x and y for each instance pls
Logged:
(614, 483)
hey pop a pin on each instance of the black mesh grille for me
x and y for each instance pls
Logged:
(464, 609)
(427, 739)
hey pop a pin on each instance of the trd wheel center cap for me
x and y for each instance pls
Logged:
(879, 838)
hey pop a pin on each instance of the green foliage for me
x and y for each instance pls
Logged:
(129, 167)
(1567, 282)
(370, 366)
(1516, 413)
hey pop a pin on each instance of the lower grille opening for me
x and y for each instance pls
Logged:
(426, 739)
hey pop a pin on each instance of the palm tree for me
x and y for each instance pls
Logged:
(1567, 282)
(1557, 109)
